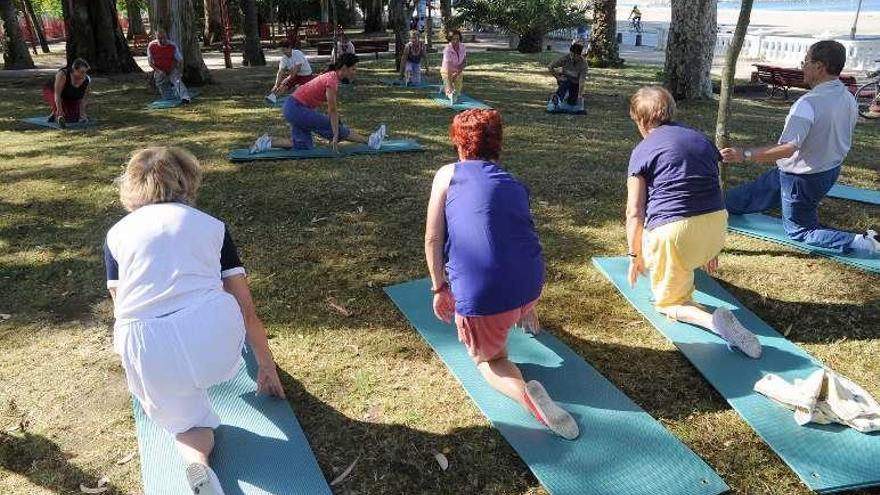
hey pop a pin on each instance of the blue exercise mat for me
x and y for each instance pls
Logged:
(770, 229)
(621, 449)
(165, 103)
(389, 146)
(465, 102)
(564, 107)
(424, 84)
(260, 448)
(73, 126)
(869, 196)
(826, 458)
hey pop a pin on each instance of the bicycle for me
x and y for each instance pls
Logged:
(869, 94)
(636, 25)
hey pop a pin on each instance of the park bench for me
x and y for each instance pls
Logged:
(780, 80)
(373, 45)
(139, 44)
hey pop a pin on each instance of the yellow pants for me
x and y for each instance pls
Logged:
(673, 251)
(456, 83)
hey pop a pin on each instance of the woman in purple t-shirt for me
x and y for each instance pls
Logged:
(675, 216)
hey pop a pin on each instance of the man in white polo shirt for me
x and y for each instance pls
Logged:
(293, 70)
(816, 139)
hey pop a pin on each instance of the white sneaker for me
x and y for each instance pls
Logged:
(271, 98)
(730, 329)
(869, 242)
(263, 143)
(553, 416)
(376, 138)
(203, 480)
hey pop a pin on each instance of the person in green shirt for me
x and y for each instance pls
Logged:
(570, 72)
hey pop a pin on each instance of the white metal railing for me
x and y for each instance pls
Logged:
(790, 50)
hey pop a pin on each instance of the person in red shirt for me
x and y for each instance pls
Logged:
(165, 59)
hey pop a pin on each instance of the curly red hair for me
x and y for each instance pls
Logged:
(477, 134)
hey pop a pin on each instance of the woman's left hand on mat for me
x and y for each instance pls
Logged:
(529, 322)
(444, 306)
(268, 382)
(636, 268)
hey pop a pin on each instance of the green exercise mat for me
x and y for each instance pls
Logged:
(826, 458)
(621, 449)
(465, 102)
(770, 229)
(389, 146)
(869, 196)
(73, 126)
(260, 447)
(165, 103)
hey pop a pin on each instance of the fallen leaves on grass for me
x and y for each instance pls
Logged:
(5, 316)
(126, 459)
(101, 488)
(338, 307)
(339, 479)
(442, 461)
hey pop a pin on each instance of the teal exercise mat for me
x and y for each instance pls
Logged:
(424, 84)
(841, 191)
(621, 449)
(564, 107)
(465, 102)
(260, 448)
(827, 458)
(165, 103)
(389, 146)
(770, 229)
(44, 122)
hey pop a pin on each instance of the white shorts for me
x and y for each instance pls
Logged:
(171, 361)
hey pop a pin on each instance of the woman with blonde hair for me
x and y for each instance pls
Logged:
(675, 216)
(182, 305)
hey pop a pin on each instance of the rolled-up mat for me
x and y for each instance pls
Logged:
(771, 229)
(260, 448)
(826, 458)
(621, 449)
(389, 146)
(841, 191)
(463, 103)
(72, 126)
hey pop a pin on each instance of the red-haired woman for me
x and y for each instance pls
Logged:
(485, 261)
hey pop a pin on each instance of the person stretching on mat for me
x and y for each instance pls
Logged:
(675, 216)
(66, 93)
(414, 53)
(452, 69)
(570, 72)
(182, 305)
(166, 60)
(300, 112)
(480, 237)
(293, 70)
(815, 140)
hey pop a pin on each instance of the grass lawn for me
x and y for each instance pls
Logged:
(313, 232)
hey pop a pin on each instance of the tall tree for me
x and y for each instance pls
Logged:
(399, 22)
(446, 13)
(95, 35)
(213, 22)
(15, 54)
(722, 132)
(178, 19)
(135, 18)
(690, 48)
(37, 23)
(530, 19)
(253, 51)
(604, 50)
(373, 22)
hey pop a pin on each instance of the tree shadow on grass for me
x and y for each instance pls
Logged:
(43, 463)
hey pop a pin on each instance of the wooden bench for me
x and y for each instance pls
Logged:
(373, 45)
(780, 80)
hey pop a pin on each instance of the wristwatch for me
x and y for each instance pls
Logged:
(747, 154)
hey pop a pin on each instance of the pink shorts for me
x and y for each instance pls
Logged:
(486, 336)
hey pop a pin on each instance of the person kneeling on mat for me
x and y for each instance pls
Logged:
(570, 72)
(293, 70)
(480, 236)
(414, 53)
(66, 93)
(166, 60)
(815, 140)
(182, 305)
(303, 119)
(675, 216)
(452, 67)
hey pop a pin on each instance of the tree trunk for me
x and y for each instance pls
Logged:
(400, 23)
(178, 18)
(15, 55)
(253, 52)
(37, 23)
(213, 22)
(722, 132)
(135, 18)
(604, 51)
(690, 49)
(373, 16)
(531, 42)
(94, 35)
(446, 13)
(151, 16)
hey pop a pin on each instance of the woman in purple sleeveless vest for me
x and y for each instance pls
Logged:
(485, 260)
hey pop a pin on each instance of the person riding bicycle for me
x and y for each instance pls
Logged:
(636, 16)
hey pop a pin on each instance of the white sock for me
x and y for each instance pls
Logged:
(866, 242)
